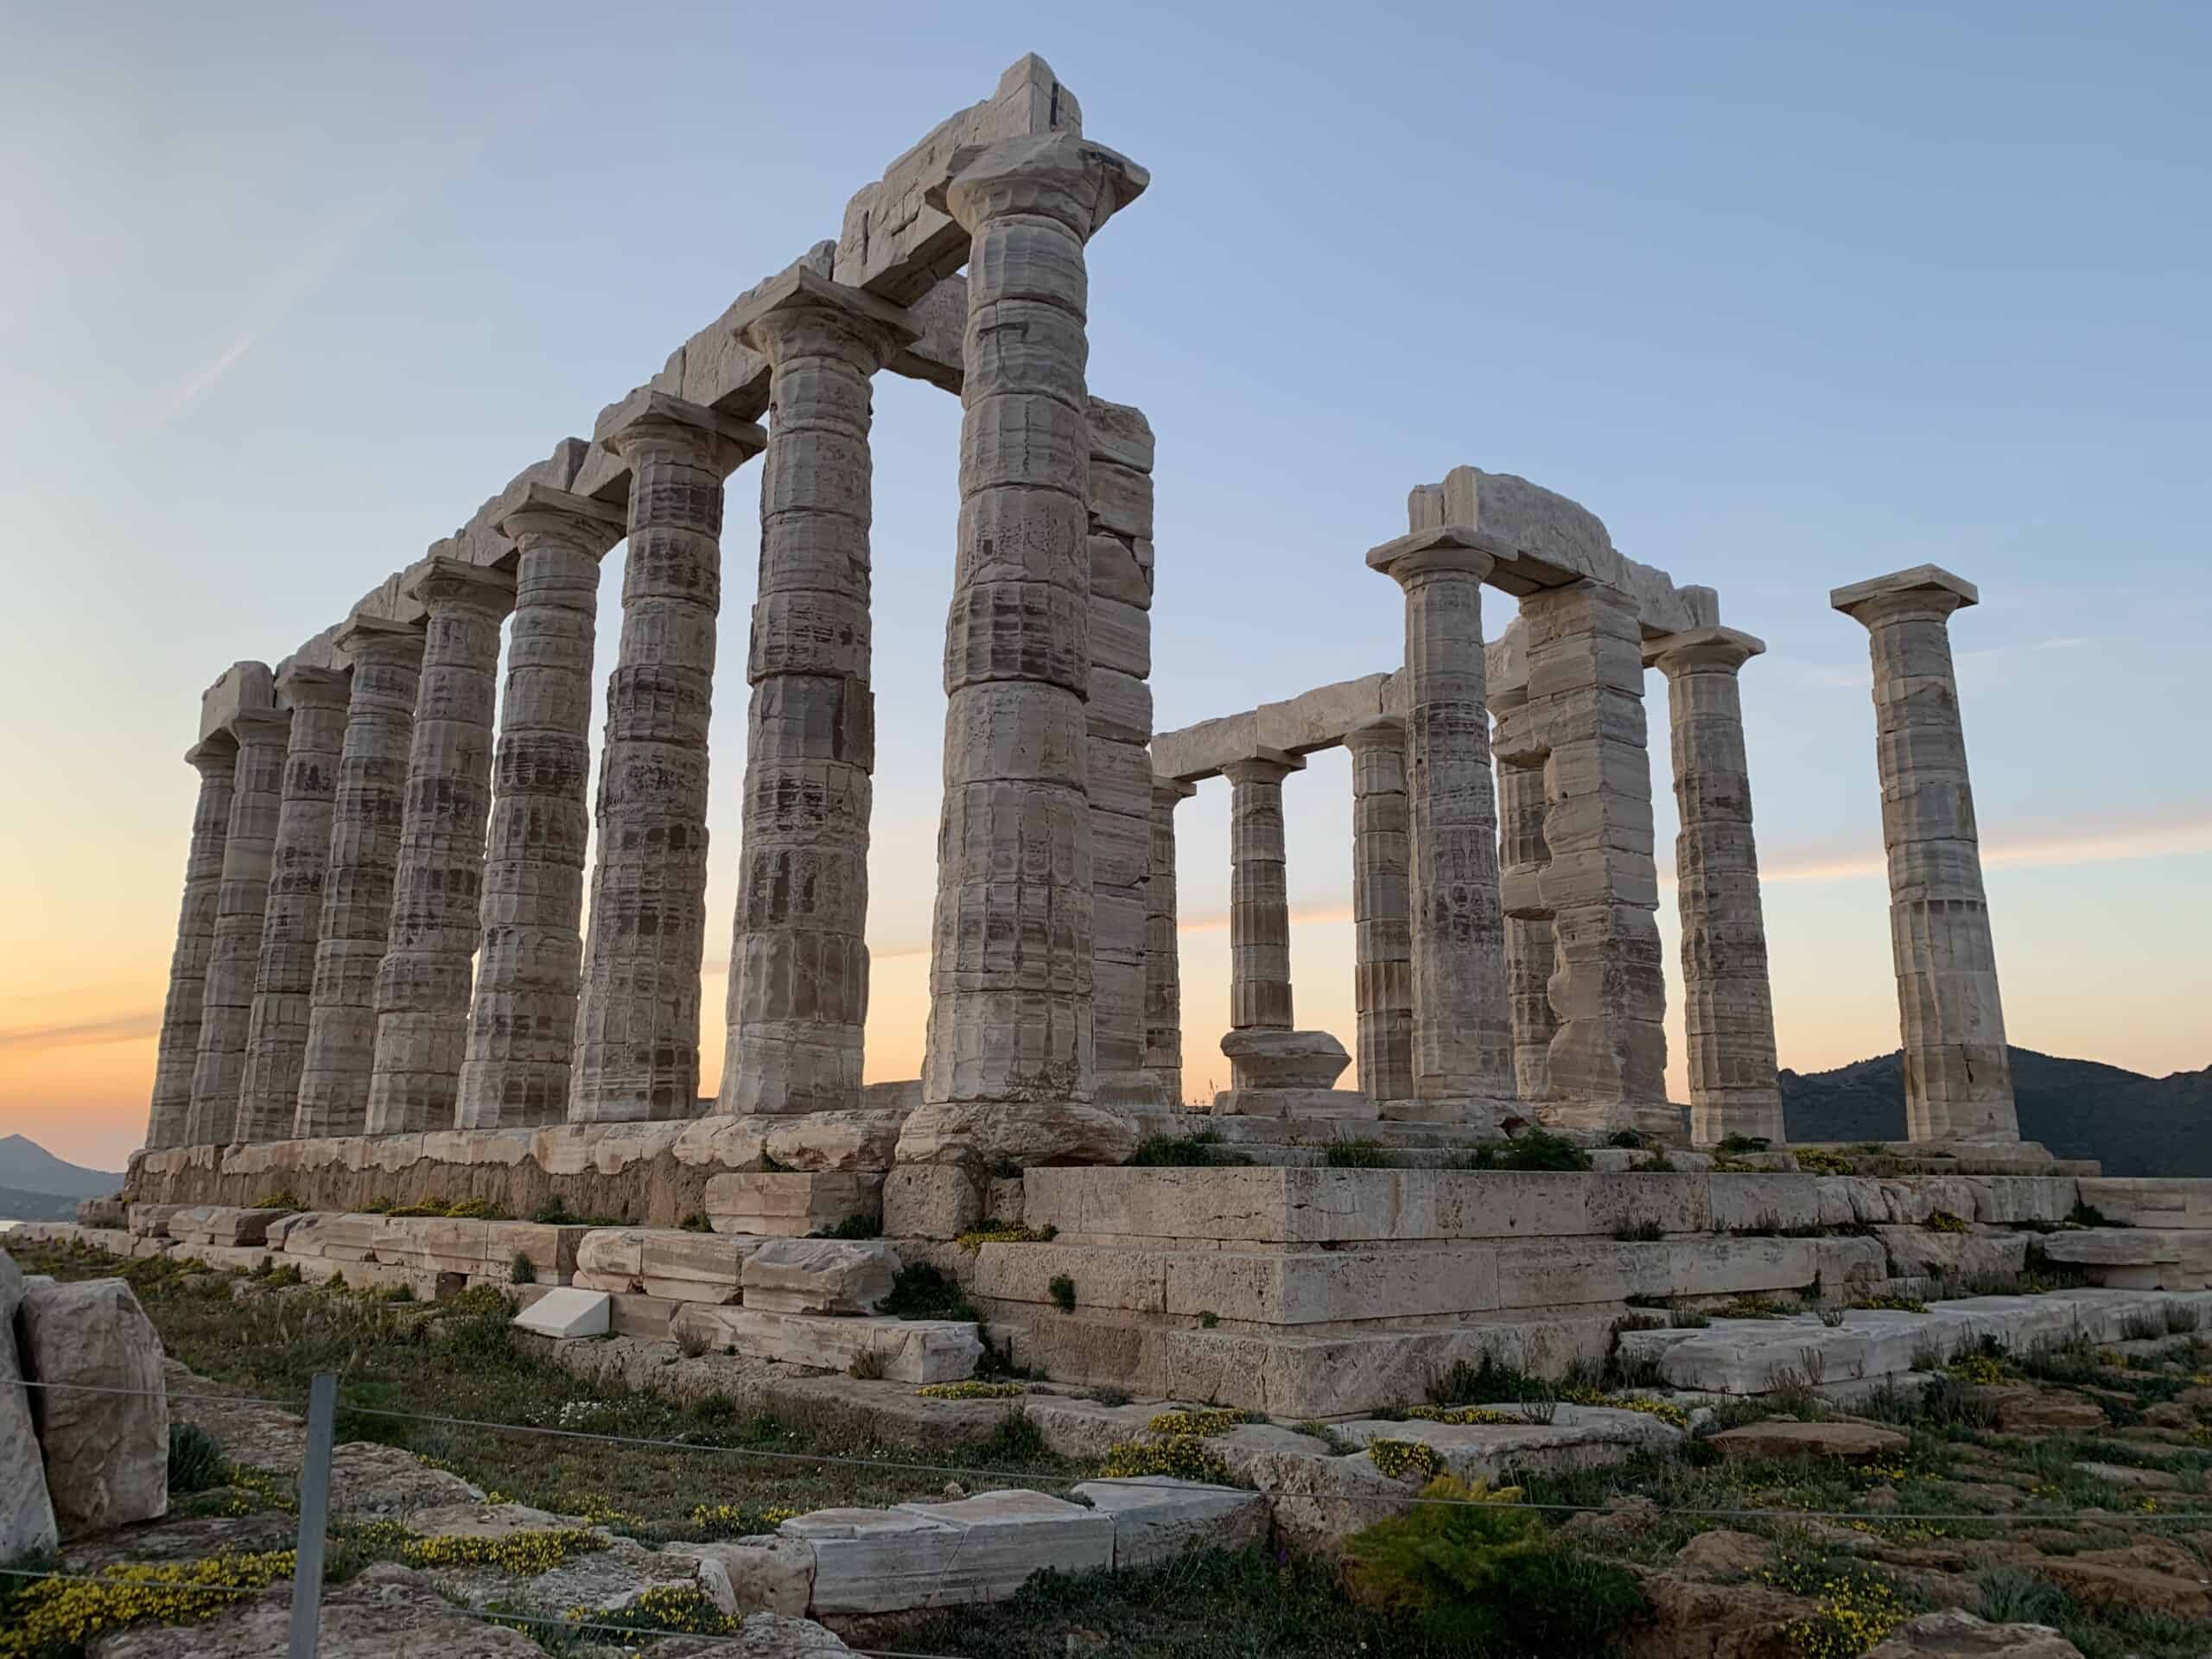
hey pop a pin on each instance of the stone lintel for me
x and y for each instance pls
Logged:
(242, 686)
(302, 686)
(1931, 578)
(603, 522)
(1313, 721)
(803, 288)
(458, 580)
(1728, 647)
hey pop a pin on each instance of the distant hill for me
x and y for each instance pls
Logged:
(27, 1166)
(16, 1205)
(2132, 1124)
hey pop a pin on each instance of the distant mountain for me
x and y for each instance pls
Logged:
(2132, 1124)
(27, 1165)
(16, 1205)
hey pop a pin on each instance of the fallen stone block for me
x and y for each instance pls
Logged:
(907, 1350)
(1156, 1517)
(27, 1523)
(566, 1310)
(152, 1220)
(819, 1275)
(769, 1574)
(665, 1262)
(219, 1223)
(1847, 1442)
(106, 1452)
(981, 1549)
(778, 1204)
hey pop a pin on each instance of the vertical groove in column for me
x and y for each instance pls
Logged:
(1259, 900)
(1382, 988)
(219, 1068)
(277, 1033)
(798, 985)
(423, 984)
(1522, 855)
(368, 808)
(1958, 1074)
(1163, 974)
(177, 1052)
(1727, 1004)
(636, 1045)
(522, 1019)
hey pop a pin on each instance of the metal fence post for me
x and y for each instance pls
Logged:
(315, 1514)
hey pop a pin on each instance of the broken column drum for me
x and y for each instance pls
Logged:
(522, 1019)
(277, 1034)
(1958, 1078)
(798, 983)
(234, 962)
(368, 810)
(637, 1043)
(177, 1052)
(423, 983)
(1383, 985)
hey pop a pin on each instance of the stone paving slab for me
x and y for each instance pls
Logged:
(1156, 1517)
(980, 1548)
(909, 1350)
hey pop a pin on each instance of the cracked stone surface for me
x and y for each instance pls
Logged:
(1163, 973)
(1521, 857)
(1383, 981)
(177, 1052)
(1259, 901)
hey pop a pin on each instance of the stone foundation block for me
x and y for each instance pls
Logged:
(665, 1262)
(1156, 1518)
(2005, 1200)
(1333, 1104)
(932, 1201)
(1750, 1201)
(2136, 1258)
(152, 1220)
(2150, 1201)
(790, 1204)
(981, 1549)
(819, 1275)
(217, 1224)
(567, 1311)
(912, 1350)
(1920, 1251)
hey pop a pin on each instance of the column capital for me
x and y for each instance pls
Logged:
(262, 725)
(1450, 548)
(1727, 649)
(1385, 731)
(1167, 792)
(1053, 175)
(379, 639)
(535, 509)
(646, 414)
(1926, 589)
(304, 687)
(213, 757)
(440, 583)
(772, 317)
(1262, 767)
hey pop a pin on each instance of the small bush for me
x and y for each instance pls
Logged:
(1657, 1164)
(1629, 1140)
(1208, 1318)
(1642, 1231)
(868, 1365)
(1736, 1145)
(692, 1341)
(1062, 1290)
(1687, 1318)
(2088, 1215)
(1203, 1150)
(1766, 1224)
(1751, 1308)
(1184, 1456)
(1201, 1421)
(196, 1461)
(1645, 1299)
(551, 1212)
(1396, 1459)
(696, 1222)
(1465, 1385)
(990, 1230)
(521, 1271)
(865, 1225)
(2013, 1595)
(1109, 1396)
(1535, 1149)
(1943, 1221)
(922, 1291)
(1357, 1152)
(972, 1390)
(1812, 1161)
(1892, 1304)
(1831, 1317)
(2181, 1320)
(282, 1199)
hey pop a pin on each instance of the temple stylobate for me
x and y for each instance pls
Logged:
(385, 929)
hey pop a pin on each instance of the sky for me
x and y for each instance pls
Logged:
(1789, 296)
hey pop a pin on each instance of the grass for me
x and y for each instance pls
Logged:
(1356, 1152)
(1201, 1150)
(1537, 1149)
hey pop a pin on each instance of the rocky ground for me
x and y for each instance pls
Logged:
(2066, 1490)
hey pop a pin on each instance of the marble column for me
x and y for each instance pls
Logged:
(1011, 975)
(367, 810)
(1958, 1075)
(1382, 980)
(277, 1033)
(1462, 1041)
(637, 1042)
(1727, 1003)
(1163, 969)
(1522, 855)
(234, 960)
(176, 1055)
(423, 983)
(522, 1017)
(798, 976)
(1259, 898)
(1608, 1058)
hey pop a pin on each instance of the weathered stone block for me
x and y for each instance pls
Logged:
(912, 1350)
(567, 1311)
(981, 1549)
(1156, 1518)
(106, 1441)
(27, 1523)
(819, 1275)
(790, 1205)
(931, 1201)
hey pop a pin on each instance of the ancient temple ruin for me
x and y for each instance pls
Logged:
(388, 985)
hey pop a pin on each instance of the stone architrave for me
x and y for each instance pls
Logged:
(422, 983)
(522, 1018)
(1260, 997)
(799, 978)
(1163, 978)
(636, 1045)
(1607, 1064)
(368, 810)
(1958, 1077)
(177, 1053)
(276, 1034)
(234, 964)
(1728, 1002)
(1522, 855)
(1382, 983)
(1462, 1041)
(1011, 975)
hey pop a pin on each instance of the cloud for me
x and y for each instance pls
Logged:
(113, 1028)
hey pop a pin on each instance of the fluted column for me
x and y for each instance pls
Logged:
(522, 1017)
(636, 1047)
(368, 808)
(276, 1034)
(798, 978)
(1011, 971)
(1259, 898)
(177, 1052)
(234, 962)
(1382, 984)
(1522, 855)
(1462, 1045)
(1958, 1075)
(1163, 969)
(422, 983)
(1727, 1003)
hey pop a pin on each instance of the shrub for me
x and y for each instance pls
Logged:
(1109, 1396)
(1687, 1318)
(550, 1212)
(57, 1615)
(1208, 1318)
(1643, 1231)
(922, 1291)
(1751, 1308)
(1475, 1571)
(1062, 1290)
(692, 1341)
(1943, 1221)
(2088, 1215)
(1657, 1164)
(696, 1222)
(1466, 1385)
(2181, 1320)
(1203, 1150)
(1358, 1152)
(1736, 1145)
(972, 1390)
(1201, 1421)
(1398, 1458)
(868, 1365)
(196, 1461)
(1630, 1140)
(1814, 1161)
(865, 1225)
(1645, 1299)
(1530, 1149)
(282, 1199)
(1185, 1456)
(2013, 1595)
(521, 1271)
(1831, 1317)
(1891, 1304)
(991, 1230)
(1465, 1415)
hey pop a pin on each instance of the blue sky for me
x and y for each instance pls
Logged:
(1789, 296)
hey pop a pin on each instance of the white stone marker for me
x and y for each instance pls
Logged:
(177, 1051)
(567, 1311)
(1958, 1078)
